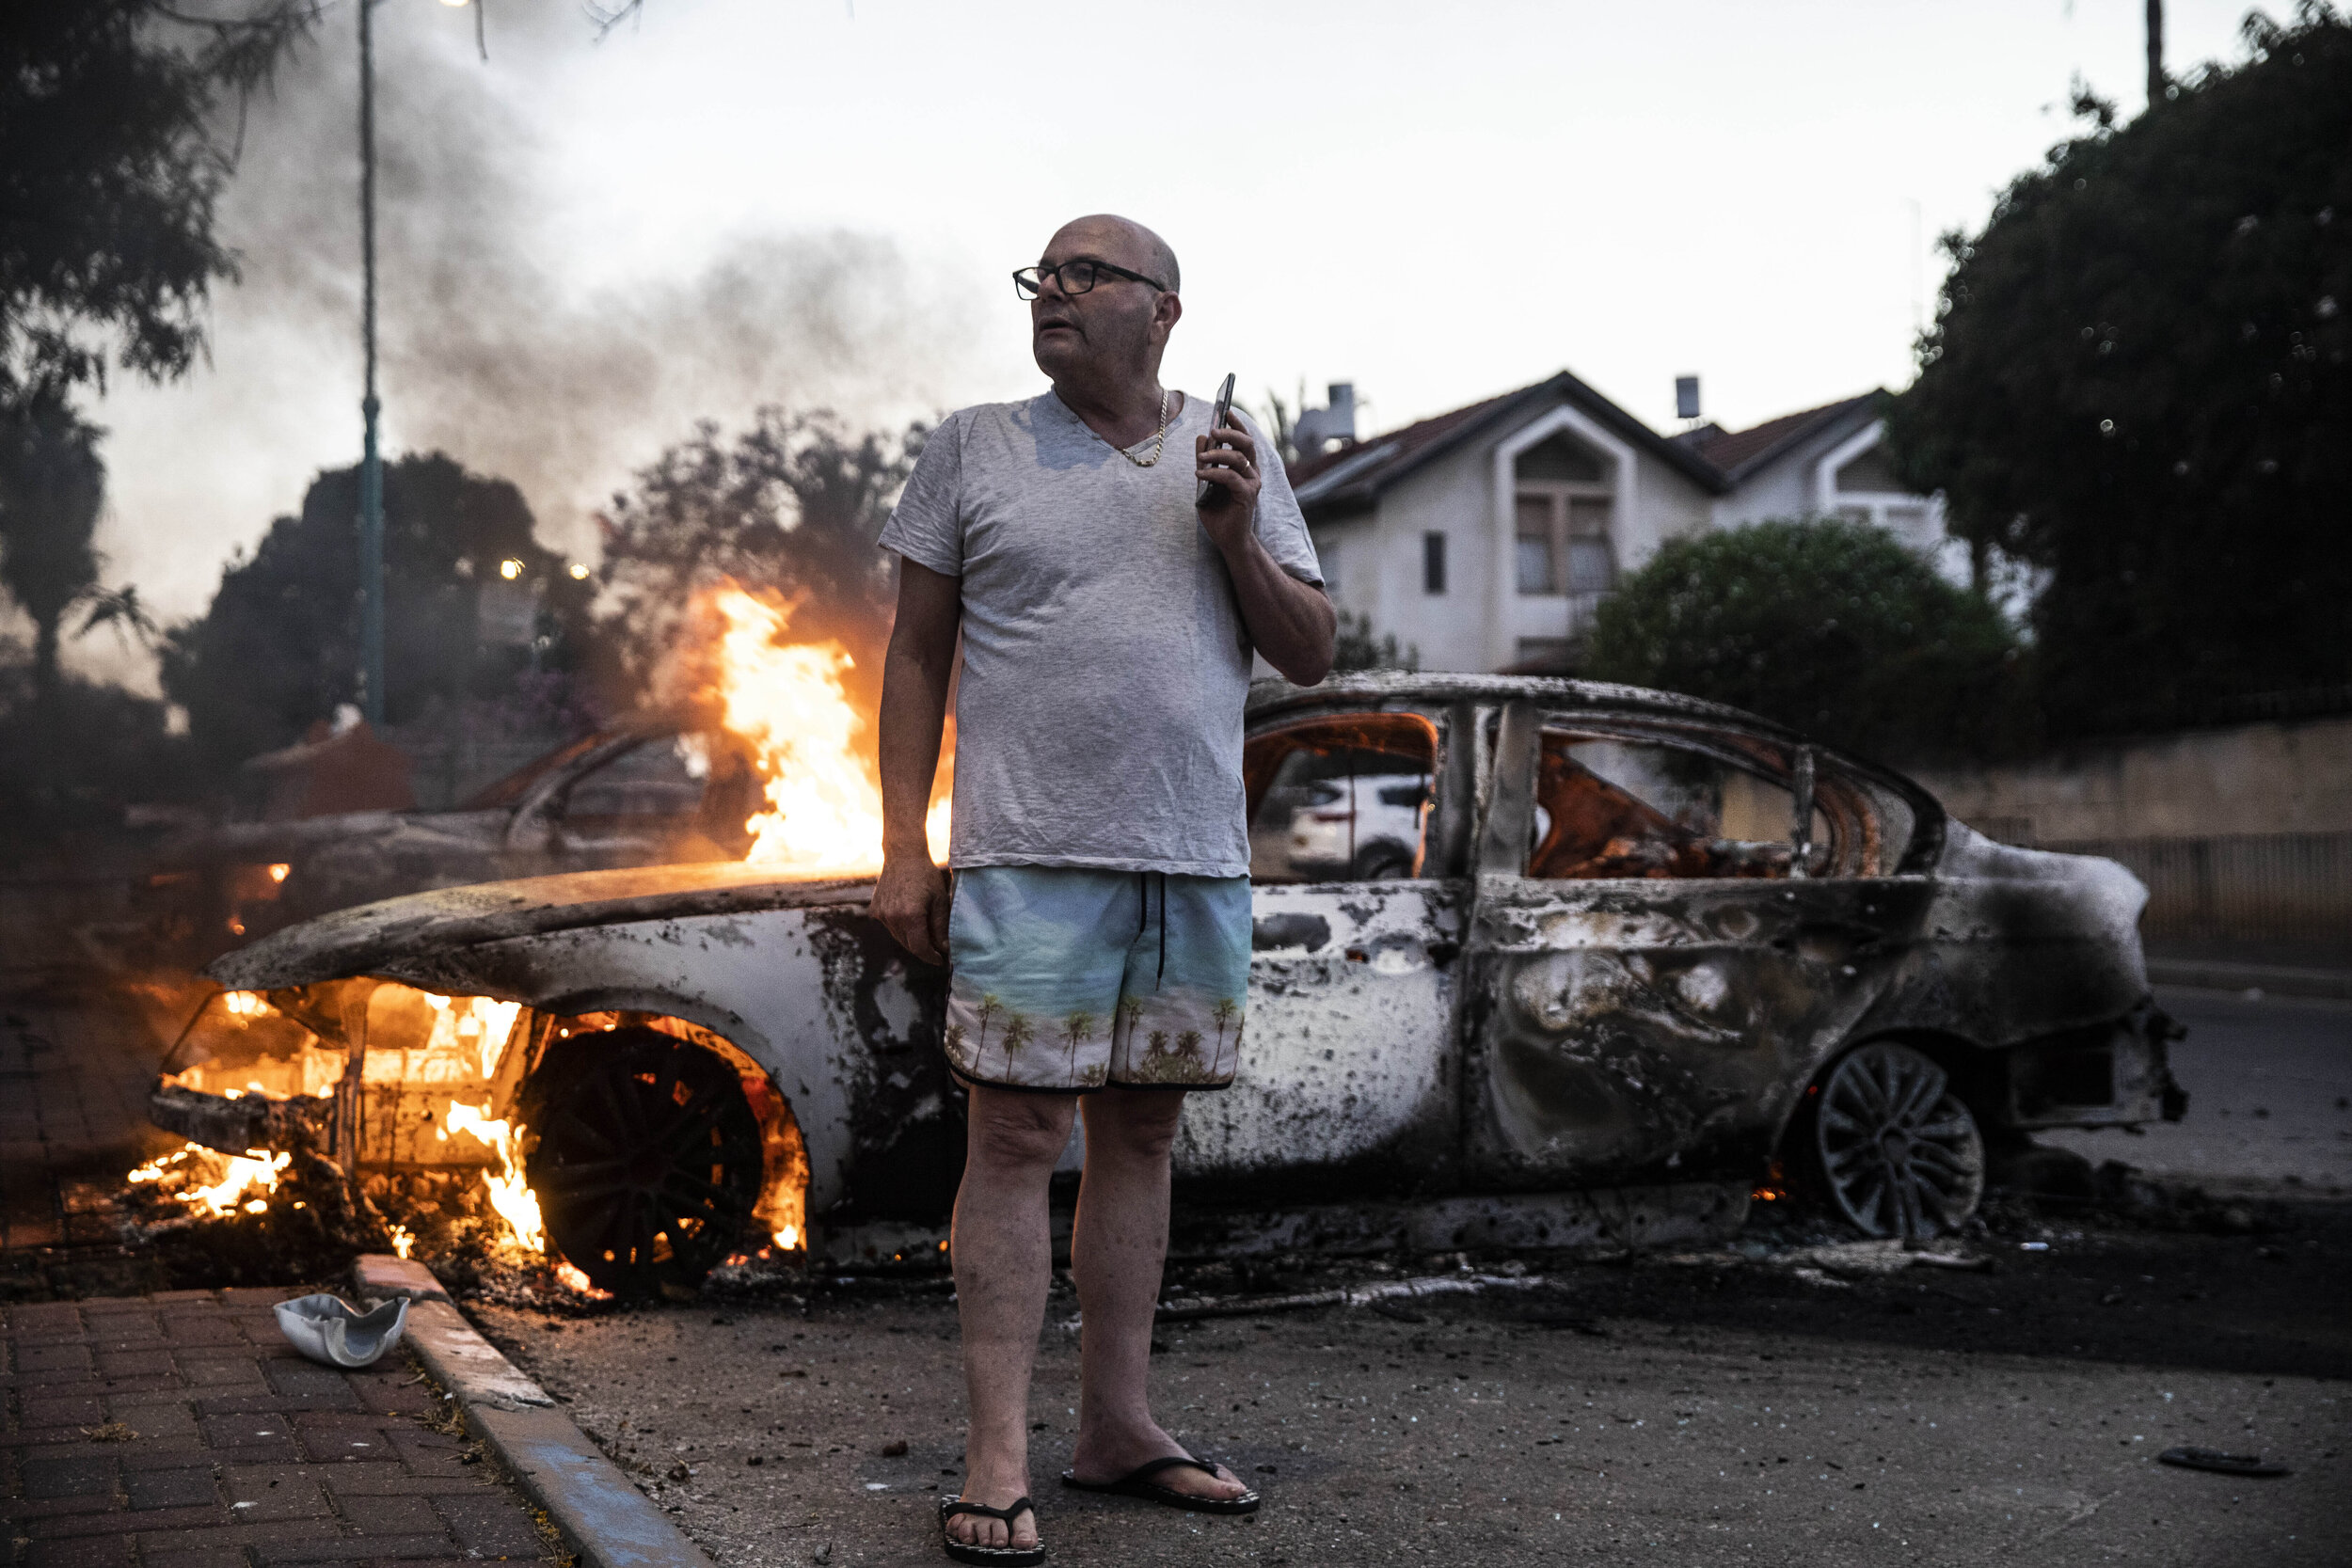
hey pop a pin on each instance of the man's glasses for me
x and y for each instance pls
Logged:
(1075, 278)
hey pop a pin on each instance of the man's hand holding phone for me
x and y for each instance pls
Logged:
(1226, 463)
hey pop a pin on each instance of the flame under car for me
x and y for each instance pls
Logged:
(1621, 956)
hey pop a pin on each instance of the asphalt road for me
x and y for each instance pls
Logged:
(1651, 1412)
(2270, 1098)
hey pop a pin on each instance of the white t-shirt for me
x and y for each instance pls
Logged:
(1098, 716)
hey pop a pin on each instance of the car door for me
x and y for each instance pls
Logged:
(1658, 964)
(1359, 833)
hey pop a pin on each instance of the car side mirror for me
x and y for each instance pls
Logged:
(1801, 811)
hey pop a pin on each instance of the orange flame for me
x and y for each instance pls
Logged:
(256, 1169)
(510, 1194)
(786, 702)
(575, 1278)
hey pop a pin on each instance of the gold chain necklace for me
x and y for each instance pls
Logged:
(1157, 441)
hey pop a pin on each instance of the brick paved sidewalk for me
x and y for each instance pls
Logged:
(245, 1455)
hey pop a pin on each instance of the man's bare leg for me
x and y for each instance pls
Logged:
(1117, 1253)
(1004, 1263)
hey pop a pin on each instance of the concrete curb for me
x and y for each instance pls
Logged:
(601, 1513)
(2272, 979)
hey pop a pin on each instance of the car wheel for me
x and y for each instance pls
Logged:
(647, 1161)
(1891, 1148)
(1382, 863)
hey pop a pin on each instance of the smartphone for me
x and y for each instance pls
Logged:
(1217, 418)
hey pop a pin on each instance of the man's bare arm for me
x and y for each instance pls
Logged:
(1290, 621)
(911, 896)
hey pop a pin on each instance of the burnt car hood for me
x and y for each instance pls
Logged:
(266, 841)
(384, 936)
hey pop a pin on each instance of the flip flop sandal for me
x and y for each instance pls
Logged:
(1003, 1556)
(2222, 1464)
(1138, 1483)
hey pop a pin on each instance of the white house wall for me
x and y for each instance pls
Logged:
(1476, 623)
(1788, 487)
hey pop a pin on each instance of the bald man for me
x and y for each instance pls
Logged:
(1098, 935)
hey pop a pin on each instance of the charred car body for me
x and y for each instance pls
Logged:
(1641, 952)
(643, 793)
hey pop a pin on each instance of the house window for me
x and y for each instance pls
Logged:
(1561, 513)
(1433, 563)
(1591, 567)
(1564, 544)
(1535, 545)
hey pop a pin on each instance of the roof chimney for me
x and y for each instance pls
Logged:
(1315, 428)
(1686, 397)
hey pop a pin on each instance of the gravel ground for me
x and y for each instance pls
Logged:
(1725, 1413)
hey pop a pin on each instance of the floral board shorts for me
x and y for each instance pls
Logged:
(1065, 979)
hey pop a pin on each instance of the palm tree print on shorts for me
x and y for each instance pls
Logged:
(986, 1011)
(1019, 1032)
(1227, 1015)
(1170, 1061)
(1077, 1029)
(1189, 1065)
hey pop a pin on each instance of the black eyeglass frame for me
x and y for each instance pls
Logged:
(1032, 279)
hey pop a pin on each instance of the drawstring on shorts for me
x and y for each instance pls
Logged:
(1143, 918)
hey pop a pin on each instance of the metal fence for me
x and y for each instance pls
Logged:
(2273, 885)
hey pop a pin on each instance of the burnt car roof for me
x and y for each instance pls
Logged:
(353, 940)
(1274, 695)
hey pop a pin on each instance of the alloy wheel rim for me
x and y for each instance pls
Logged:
(1901, 1153)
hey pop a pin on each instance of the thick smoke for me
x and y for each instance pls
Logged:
(509, 338)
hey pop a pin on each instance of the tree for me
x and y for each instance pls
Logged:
(1355, 647)
(2140, 381)
(109, 165)
(1832, 627)
(51, 484)
(76, 758)
(278, 648)
(793, 504)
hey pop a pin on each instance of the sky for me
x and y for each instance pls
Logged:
(588, 244)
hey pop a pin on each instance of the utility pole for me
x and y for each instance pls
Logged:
(2155, 52)
(372, 460)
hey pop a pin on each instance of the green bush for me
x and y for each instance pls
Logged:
(1834, 628)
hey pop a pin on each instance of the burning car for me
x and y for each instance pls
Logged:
(651, 790)
(1639, 957)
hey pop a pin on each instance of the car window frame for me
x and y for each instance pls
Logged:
(1516, 747)
(1441, 835)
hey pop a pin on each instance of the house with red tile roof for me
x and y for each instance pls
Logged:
(1487, 536)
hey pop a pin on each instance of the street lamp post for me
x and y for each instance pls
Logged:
(372, 460)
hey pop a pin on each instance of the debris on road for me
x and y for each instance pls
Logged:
(2222, 1464)
(1361, 1296)
(1842, 1261)
(330, 1330)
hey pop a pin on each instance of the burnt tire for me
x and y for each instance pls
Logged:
(1886, 1145)
(646, 1156)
